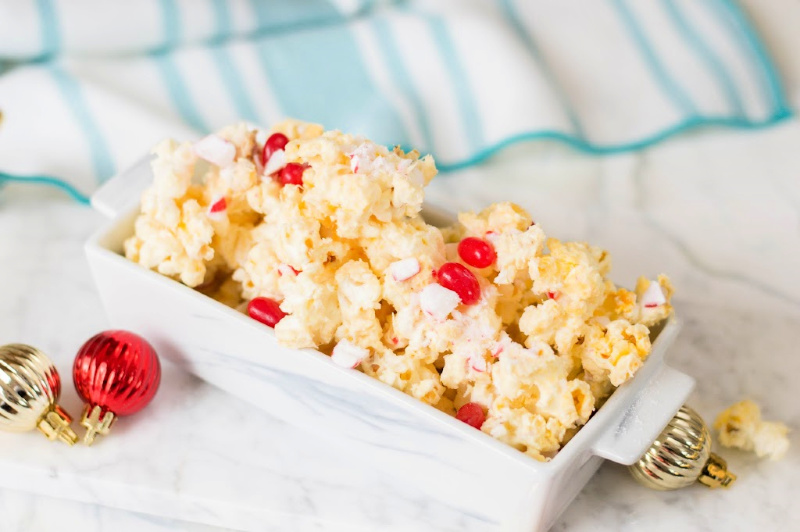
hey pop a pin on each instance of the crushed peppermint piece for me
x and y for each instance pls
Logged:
(275, 163)
(478, 363)
(348, 355)
(362, 157)
(266, 310)
(653, 296)
(218, 206)
(438, 301)
(285, 269)
(404, 269)
(492, 236)
(215, 150)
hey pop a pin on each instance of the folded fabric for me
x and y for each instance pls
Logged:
(90, 85)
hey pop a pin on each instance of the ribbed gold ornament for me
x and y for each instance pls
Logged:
(681, 456)
(29, 389)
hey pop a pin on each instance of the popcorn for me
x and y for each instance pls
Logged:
(740, 426)
(521, 336)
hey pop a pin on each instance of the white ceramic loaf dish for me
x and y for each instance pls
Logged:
(447, 460)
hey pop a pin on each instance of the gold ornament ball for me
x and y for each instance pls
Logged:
(29, 389)
(681, 456)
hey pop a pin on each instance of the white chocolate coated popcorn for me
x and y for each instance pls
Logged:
(740, 426)
(357, 270)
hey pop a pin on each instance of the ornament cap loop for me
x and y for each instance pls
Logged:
(715, 473)
(96, 422)
(55, 425)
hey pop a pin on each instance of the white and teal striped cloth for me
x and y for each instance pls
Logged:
(87, 86)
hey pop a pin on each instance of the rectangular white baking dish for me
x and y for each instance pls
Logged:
(447, 460)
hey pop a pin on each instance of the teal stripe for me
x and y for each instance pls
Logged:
(670, 87)
(261, 11)
(707, 55)
(45, 180)
(176, 87)
(171, 22)
(590, 148)
(178, 92)
(402, 77)
(234, 84)
(51, 32)
(222, 16)
(282, 15)
(527, 39)
(70, 90)
(770, 83)
(465, 99)
(353, 103)
(226, 66)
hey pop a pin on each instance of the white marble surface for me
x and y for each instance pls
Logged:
(718, 211)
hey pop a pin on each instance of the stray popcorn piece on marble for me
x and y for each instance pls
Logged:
(319, 235)
(741, 426)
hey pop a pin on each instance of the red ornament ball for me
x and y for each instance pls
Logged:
(472, 414)
(459, 279)
(265, 310)
(118, 371)
(476, 252)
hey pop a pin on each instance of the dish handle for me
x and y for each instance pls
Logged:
(124, 190)
(640, 424)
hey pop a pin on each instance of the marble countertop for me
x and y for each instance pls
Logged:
(718, 211)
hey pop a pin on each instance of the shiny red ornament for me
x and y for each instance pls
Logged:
(116, 373)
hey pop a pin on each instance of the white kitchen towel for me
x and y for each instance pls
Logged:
(87, 86)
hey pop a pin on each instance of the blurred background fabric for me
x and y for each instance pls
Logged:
(88, 86)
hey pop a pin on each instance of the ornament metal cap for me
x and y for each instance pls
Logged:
(55, 425)
(96, 422)
(681, 456)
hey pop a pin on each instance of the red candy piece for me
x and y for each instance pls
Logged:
(275, 142)
(292, 174)
(219, 206)
(265, 310)
(476, 252)
(471, 414)
(459, 279)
